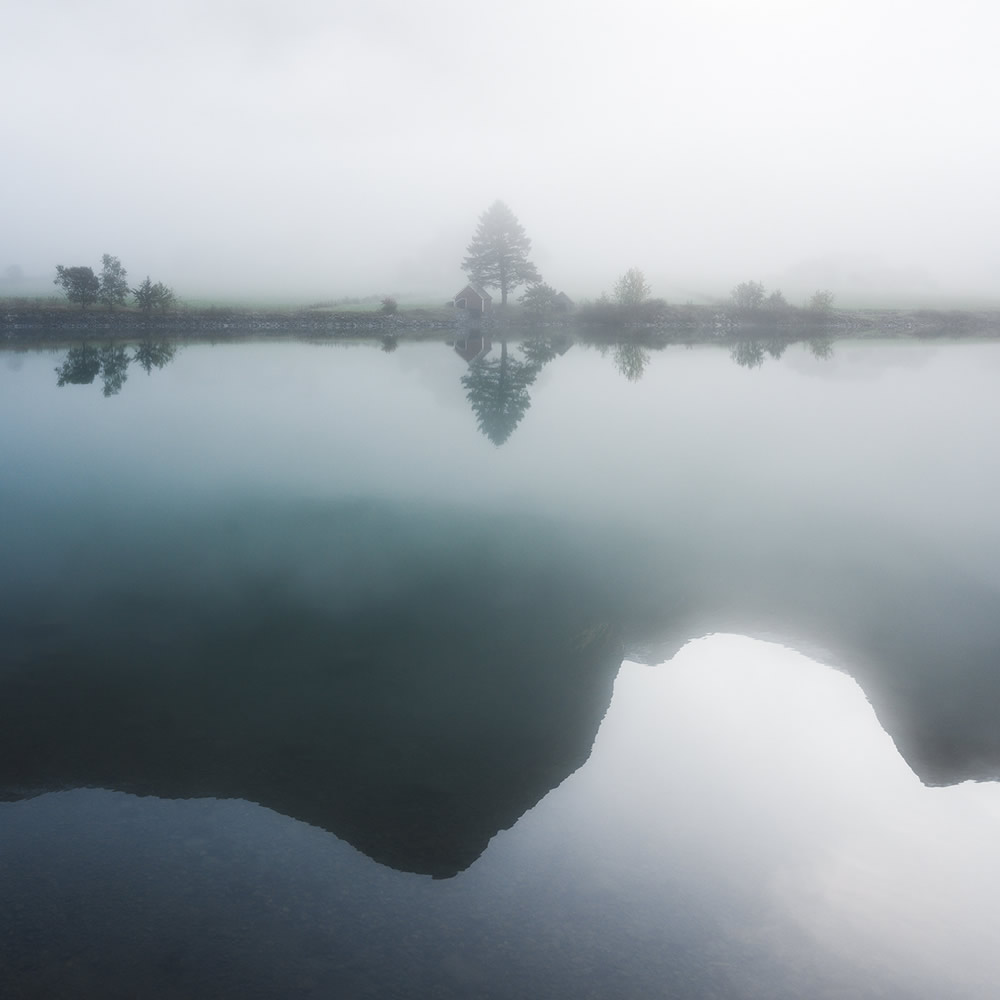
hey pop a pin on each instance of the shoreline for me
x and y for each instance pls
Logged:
(25, 326)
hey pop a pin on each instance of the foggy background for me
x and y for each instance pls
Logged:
(311, 150)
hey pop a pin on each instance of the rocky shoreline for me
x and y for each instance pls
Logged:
(46, 324)
(43, 324)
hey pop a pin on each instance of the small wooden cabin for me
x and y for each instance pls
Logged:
(473, 299)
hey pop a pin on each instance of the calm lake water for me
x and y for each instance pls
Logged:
(500, 670)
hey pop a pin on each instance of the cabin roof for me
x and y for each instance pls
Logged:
(484, 295)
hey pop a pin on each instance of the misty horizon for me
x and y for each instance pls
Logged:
(854, 283)
(247, 153)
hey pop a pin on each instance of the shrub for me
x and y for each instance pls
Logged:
(539, 299)
(631, 289)
(821, 301)
(748, 295)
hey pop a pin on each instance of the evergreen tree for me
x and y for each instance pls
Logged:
(498, 254)
(149, 296)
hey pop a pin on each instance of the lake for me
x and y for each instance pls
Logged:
(485, 669)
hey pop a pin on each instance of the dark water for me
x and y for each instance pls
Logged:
(541, 670)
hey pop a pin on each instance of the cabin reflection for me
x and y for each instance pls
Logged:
(472, 347)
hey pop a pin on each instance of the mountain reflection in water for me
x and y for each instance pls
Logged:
(412, 698)
(743, 827)
(294, 598)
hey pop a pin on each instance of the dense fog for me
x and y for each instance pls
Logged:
(312, 150)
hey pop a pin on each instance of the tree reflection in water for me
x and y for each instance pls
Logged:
(149, 355)
(747, 353)
(753, 353)
(114, 368)
(497, 388)
(80, 367)
(498, 392)
(631, 360)
(83, 364)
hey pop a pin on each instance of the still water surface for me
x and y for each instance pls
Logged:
(538, 670)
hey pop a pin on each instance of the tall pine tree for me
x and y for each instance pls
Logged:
(498, 254)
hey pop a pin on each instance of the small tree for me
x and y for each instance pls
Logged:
(539, 299)
(631, 289)
(389, 305)
(498, 254)
(821, 301)
(114, 282)
(748, 295)
(145, 297)
(80, 284)
(149, 296)
(165, 297)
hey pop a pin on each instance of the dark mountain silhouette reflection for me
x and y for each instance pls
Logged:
(413, 679)
(412, 701)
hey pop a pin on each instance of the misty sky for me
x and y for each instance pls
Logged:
(318, 149)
